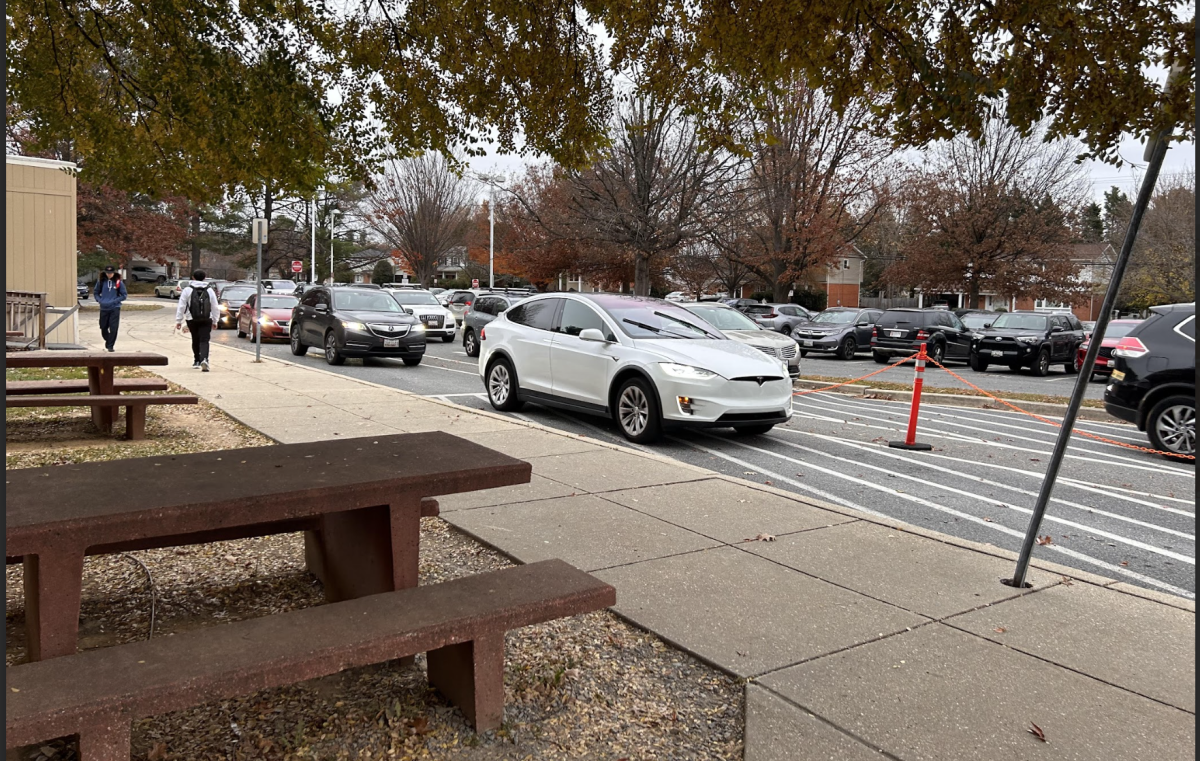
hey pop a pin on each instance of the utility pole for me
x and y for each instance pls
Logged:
(312, 228)
(259, 236)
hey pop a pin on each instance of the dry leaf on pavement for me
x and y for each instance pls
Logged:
(762, 538)
(1045, 539)
(1037, 732)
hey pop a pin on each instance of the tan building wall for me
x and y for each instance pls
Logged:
(39, 235)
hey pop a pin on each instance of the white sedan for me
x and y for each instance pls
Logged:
(647, 364)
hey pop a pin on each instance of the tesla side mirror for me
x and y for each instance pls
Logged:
(592, 334)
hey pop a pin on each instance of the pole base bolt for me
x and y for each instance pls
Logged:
(915, 446)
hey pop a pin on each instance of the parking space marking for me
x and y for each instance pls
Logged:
(1111, 568)
(913, 459)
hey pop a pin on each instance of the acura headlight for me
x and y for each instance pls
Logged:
(418, 328)
(1029, 339)
(348, 325)
(686, 371)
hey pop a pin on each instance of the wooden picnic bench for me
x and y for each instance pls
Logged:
(29, 388)
(101, 367)
(460, 624)
(135, 406)
(359, 502)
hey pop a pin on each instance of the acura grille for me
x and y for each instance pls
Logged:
(385, 330)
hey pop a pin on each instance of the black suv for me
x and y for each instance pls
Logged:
(1153, 382)
(841, 330)
(355, 322)
(900, 332)
(1028, 339)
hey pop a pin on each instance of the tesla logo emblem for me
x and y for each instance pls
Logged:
(760, 380)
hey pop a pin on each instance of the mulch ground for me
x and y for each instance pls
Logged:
(587, 687)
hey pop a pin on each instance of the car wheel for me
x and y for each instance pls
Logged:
(448, 339)
(1077, 365)
(937, 353)
(470, 344)
(977, 363)
(160, 279)
(849, 347)
(1071, 367)
(879, 357)
(413, 361)
(332, 355)
(502, 386)
(298, 347)
(1171, 426)
(637, 412)
(753, 430)
(1041, 365)
(241, 333)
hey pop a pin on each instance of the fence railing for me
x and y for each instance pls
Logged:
(25, 312)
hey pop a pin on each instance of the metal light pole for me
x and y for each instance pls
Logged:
(1155, 152)
(492, 240)
(333, 215)
(260, 235)
(312, 228)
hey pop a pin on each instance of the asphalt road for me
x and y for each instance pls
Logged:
(1116, 511)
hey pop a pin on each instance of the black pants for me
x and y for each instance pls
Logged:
(201, 330)
(110, 320)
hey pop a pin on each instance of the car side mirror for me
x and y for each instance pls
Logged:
(592, 334)
(321, 308)
(1056, 329)
(862, 323)
(987, 325)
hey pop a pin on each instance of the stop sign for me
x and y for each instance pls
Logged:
(297, 265)
(475, 283)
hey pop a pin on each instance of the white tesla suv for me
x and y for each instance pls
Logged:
(646, 363)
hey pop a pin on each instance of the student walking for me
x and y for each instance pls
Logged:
(110, 292)
(198, 305)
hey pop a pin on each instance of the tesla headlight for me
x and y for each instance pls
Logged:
(1029, 339)
(348, 325)
(686, 371)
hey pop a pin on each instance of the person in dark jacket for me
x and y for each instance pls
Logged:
(110, 292)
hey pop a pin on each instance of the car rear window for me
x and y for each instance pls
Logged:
(904, 319)
(759, 309)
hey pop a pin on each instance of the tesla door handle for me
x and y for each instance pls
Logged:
(547, 340)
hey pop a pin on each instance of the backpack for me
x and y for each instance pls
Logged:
(199, 306)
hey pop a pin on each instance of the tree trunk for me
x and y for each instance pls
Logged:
(641, 274)
(780, 291)
(195, 239)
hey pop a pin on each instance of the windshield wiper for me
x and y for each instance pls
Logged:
(685, 322)
(651, 328)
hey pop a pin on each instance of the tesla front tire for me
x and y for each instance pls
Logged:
(637, 413)
(502, 386)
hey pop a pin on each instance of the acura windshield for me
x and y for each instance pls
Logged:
(365, 301)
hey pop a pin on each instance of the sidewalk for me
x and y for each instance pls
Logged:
(856, 636)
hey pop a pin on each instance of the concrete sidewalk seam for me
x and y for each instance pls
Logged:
(837, 728)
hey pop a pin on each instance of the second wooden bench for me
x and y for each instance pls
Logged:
(135, 406)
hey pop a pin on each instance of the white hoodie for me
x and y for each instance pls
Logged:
(184, 310)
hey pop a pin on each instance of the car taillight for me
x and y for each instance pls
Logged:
(483, 334)
(874, 332)
(922, 335)
(1130, 348)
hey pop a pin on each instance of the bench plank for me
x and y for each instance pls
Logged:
(97, 400)
(101, 690)
(23, 388)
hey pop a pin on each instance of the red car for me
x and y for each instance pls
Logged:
(275, 320)
(1117, 329)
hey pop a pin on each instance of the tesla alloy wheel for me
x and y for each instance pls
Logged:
(637, 411)
(502, 386)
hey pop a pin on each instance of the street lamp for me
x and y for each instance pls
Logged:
(492, 180)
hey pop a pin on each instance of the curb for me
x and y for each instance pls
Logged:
(1045, 409)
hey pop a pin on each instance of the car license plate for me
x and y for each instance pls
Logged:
(997, 354)
(808, 343)
(895, 333)
(391, 343)
(1118, 375)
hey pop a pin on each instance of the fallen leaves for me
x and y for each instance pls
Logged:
(1043, 540)
(1037, 732)
(999, 630)
(158, 752)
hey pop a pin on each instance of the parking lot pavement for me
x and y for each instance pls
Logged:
(1118, 512)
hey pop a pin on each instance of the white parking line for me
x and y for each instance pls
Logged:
(881, 452)
(1109, 567)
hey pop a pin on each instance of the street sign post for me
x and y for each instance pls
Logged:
(297, 266)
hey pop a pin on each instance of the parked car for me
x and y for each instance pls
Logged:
(485, 309)
(739, 327)
(1028, 339)
(1088, 327)
(844, 331)
(438, 320)
(170, 289)
(782, 318)
(279, 286)
(648, 364)
(355, 322)
(1116, 330)
(677, 296)
(82, 290)
(741, 304)
(147, 273)
(1153, 382)
(230, 300)
(901, 331)
(275, 319)
(977, 320)
(459, 301)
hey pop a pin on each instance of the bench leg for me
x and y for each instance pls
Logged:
(135, 422)
(471, 676)
(366, 551)
(52, 592)
(105, 742)
(101, 383)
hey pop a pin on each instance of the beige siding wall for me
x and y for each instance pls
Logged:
(39, 237)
